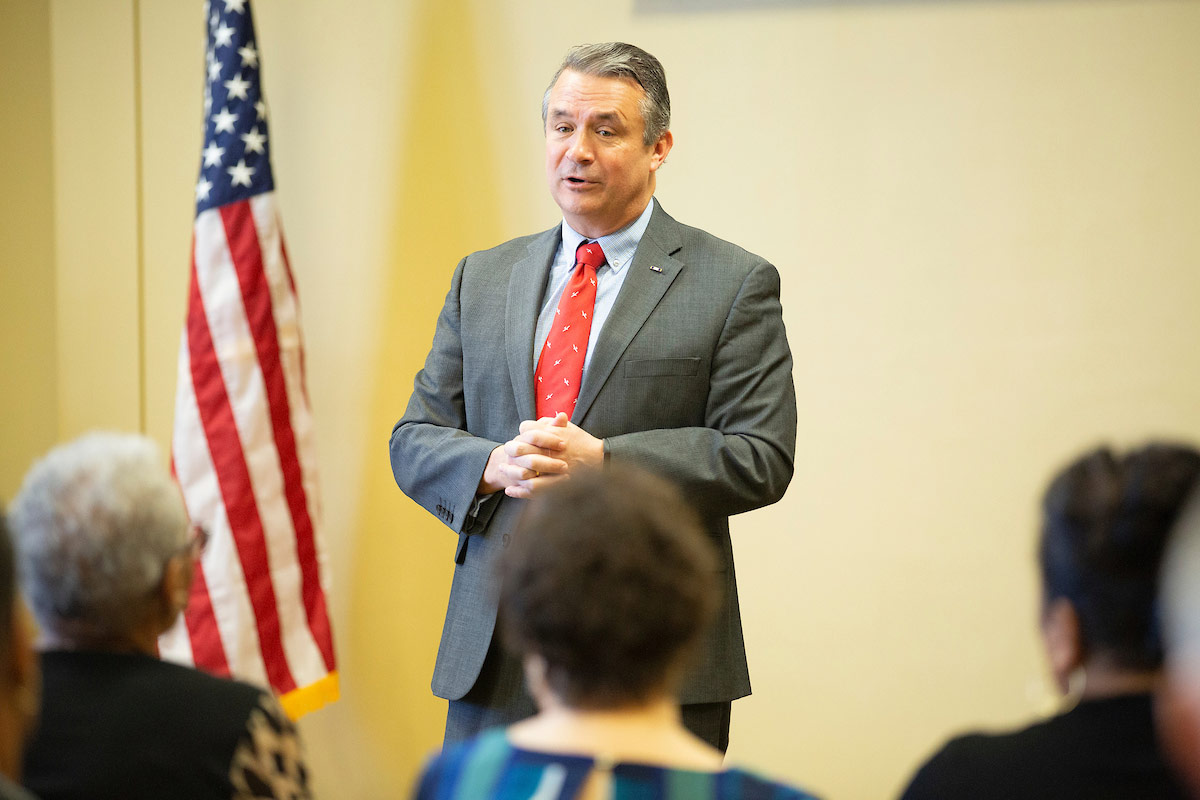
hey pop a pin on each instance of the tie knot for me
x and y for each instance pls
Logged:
(589, 253)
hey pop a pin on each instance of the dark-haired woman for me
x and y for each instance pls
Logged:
(604, 590)
(1105, 523)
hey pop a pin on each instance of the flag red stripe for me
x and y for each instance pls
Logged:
(287, 263)
(287, 266)
(242, 235)
(207, 648)
(233, 477)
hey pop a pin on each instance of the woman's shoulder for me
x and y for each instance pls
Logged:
(977, 763)
(478, 767)
(144, 681)
(741, 784)
(474, 762)
(667, 783)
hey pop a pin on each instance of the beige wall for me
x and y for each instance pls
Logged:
(984, 214)
(28, 417)
(97, 216)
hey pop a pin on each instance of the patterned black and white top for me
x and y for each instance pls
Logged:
(129, 726)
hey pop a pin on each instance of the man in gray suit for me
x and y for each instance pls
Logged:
(686, 371)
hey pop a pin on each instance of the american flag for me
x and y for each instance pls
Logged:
(243, 449)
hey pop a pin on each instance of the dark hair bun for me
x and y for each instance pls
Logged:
(610, 579)
(1105, 525)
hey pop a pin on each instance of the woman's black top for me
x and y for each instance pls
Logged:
(1104, 749)
(124, 726)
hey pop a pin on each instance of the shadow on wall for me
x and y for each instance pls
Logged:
(447, 205)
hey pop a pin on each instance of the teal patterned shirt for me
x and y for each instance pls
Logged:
(488, 767)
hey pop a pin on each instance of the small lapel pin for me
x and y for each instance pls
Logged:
(655, 269)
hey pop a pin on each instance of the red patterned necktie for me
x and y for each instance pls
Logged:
(560, 365)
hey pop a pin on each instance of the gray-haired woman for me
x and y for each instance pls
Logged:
(106, 556)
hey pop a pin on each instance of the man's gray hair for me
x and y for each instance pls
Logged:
(95, 523)
(620, 60)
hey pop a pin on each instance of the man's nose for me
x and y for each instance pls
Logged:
(579, 149)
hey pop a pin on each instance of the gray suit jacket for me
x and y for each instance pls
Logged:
(691, 378)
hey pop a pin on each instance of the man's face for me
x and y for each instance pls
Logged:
(600, 173)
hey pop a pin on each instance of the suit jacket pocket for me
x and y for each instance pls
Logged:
(655, 367)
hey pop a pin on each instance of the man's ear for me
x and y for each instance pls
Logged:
(661, 148)
(1062, 636)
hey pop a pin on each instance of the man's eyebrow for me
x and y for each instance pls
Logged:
(611, 117)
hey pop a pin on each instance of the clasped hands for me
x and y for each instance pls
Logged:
(544, 451)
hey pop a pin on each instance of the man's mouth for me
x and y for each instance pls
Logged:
(575, 180)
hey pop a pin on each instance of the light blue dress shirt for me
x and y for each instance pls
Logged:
(618, 248)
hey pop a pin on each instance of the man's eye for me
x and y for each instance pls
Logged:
(562, 128)
(605, 133)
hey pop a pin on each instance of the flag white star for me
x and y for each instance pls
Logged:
(240, 173)
(202, 189)
(213, 20)
(235, 5)
(207, 100)
(224, 120)
(224, 36)
(212, 154)
(254, 141)
(261, 108)
(214, 66)
(249, 55)
(237, 87)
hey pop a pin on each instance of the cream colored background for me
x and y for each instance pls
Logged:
(985, 214)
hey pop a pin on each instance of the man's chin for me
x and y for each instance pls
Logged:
(573, 207)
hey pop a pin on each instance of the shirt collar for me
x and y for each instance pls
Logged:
(619, 246)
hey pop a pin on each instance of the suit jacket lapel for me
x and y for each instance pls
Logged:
(526, 285)
(650, 275)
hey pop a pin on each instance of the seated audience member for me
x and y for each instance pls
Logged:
(106, 563)
(605, 588)
(18, 675)
(1179, 707)
(1104, 527)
